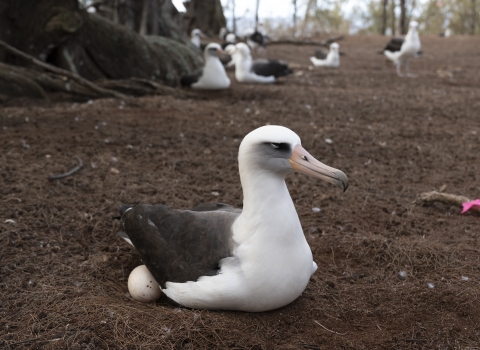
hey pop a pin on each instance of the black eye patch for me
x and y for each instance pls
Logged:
(282, 146)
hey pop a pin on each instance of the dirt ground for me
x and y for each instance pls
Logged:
(63, 271)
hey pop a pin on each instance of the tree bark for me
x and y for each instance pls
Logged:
(206, 15)
(473, 27)
(294, 17)
(383, 30)
(59, 33)
(403, 16)
(142, 30)
(256, 14)
(62, 72)
(392, 14)
(234, 19)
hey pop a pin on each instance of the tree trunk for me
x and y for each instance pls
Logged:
(384, 17)
(311, 5)
(473, 27)
(142, 30)
(58, 32)
(206, 15)
(294, 17)
(403, 15)
(234, 20)
(392, 14)
(256, 14)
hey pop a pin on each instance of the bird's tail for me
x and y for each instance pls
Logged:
(393, 56)
(316, 62)
(124, 236)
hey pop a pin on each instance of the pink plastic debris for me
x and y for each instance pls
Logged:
(469, 205)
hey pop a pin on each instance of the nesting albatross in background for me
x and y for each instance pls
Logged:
(400, 51)
(212, 76)
(196, 37)
(260, 71)
(219, 257)
(332, 60)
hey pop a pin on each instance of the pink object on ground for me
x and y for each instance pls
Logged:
(469, 205)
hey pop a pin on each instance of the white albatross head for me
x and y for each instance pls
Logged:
(197, 33)
(212, 50)
(277, 150)
(334, 47)
(243, 49)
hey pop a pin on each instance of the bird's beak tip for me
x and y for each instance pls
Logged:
(342, 181)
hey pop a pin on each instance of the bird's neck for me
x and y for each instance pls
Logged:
(268, 209)
(411, 35)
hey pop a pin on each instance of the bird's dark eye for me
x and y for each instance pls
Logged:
(281, 146)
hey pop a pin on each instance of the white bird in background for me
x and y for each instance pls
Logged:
(259, 71)
(196, 37)
(410, 48)
(230, 39)
(332, 60)
(215, 256)
(213, 75)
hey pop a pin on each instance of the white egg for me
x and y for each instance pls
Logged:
(142, 286)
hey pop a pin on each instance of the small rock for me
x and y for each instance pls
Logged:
(114, 171)
(316, 210)
(465, 278)
(329, 141)
(402, 275)
(430, 285)
(215, 193)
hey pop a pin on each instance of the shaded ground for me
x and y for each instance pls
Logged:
(63, 272)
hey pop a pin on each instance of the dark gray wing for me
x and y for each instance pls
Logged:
(395, 44)
(180, 245)
(188, 80)
(268, 68)
(321, 54)
(216, 207)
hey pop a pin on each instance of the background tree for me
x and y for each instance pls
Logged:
(206, 15)
(61, 34)
(384, 17)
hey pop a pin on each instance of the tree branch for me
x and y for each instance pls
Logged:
(325, 43)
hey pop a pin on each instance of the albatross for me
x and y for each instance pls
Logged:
(196, 38)
(332, 60)
(400, 51)
(260, 71)
(212, 76)
(222, 258)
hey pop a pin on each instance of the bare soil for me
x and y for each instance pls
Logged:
(63, 271)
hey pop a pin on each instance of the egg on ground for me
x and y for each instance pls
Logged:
(142, 286)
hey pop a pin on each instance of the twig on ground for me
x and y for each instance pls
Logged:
(71, 172)
(434, 196)
(321, 325)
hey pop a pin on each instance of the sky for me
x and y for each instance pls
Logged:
(274, 9)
